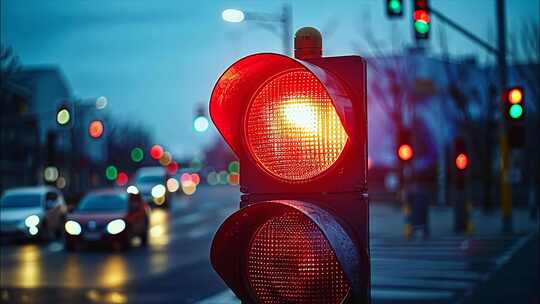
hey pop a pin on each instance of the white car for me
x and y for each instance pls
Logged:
(32, 212)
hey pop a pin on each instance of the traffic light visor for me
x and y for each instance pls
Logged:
(290, 114)
(295, 253)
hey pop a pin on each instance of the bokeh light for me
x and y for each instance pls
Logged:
(233, 15)
(165, 158)
(172, 184)
(50, 174)
(234, 179)
(212, 178)
(95, 129)
(122, 179)
(63, 116)
(137, 154)
(111, 173)
(61, 182)
(200, 124)
(132, 190)
(172, 168)
(223, 178)
(156, 152)
(234, 166)
(101, 102)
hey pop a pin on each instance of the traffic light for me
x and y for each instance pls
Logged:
(200, 123)
(394, 8)
(421, 19)
(514, 111)
(405, 151)
(514, 108)
(461, 161)
(95, 129)
(299, 130)
(64, 114)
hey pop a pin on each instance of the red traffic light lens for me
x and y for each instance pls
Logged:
(156, 152)
(291, 261)
(292, 128)
(405, 152)
(462, 161)
(515, 96)
(421, 15)
(95, 129)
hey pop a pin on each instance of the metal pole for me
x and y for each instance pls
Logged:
(286, 21)
(505, 191)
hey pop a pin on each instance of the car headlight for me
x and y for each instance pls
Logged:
(73, 228)
(31, 221)
(116, 226)
(158, 191)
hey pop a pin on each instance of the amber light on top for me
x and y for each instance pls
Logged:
(462, 161)
(292, 128)
(515, 96)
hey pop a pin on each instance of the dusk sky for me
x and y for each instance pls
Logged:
(156, 60)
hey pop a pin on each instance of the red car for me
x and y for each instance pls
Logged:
(110, 217)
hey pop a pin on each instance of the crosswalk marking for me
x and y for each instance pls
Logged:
(437, 271)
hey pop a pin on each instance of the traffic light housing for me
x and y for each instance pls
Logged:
(299, 130)
(394, 8)
(514, 112)
(514, 108)
(404, 147)
(461, 162)
(421, 19)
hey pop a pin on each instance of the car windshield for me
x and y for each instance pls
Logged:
(150, 179)
(20, 200)
(103, 203)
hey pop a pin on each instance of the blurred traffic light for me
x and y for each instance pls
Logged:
(405, 150)
(461, 161)
(514, 108)
(122, 179)
(137, 154)
(394, 8)
(200, 122)
(156, 152)
(421, 19)
(299, 132)
(111, 173)
(64, 113)
(95, 129)
(514, 111)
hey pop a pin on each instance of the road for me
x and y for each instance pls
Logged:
(175, 267)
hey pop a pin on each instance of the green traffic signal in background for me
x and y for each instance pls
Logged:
(394, 7)
(63, 116)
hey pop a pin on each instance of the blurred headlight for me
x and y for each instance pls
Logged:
(73, 228)
(31, 221)
(33, 230)
(132, 190)
(158, 191)
(116, 226)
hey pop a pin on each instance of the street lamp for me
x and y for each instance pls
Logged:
(284, 19)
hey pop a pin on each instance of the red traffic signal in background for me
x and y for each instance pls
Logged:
(299, 130)
(461, 161)
(421, 19)
(95, 129)
(405, 151)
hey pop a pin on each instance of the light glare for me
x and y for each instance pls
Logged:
(233, 15)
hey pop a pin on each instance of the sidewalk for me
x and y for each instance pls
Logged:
(387, 220)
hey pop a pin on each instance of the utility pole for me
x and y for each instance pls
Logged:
(500, 53)
(506, 193)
